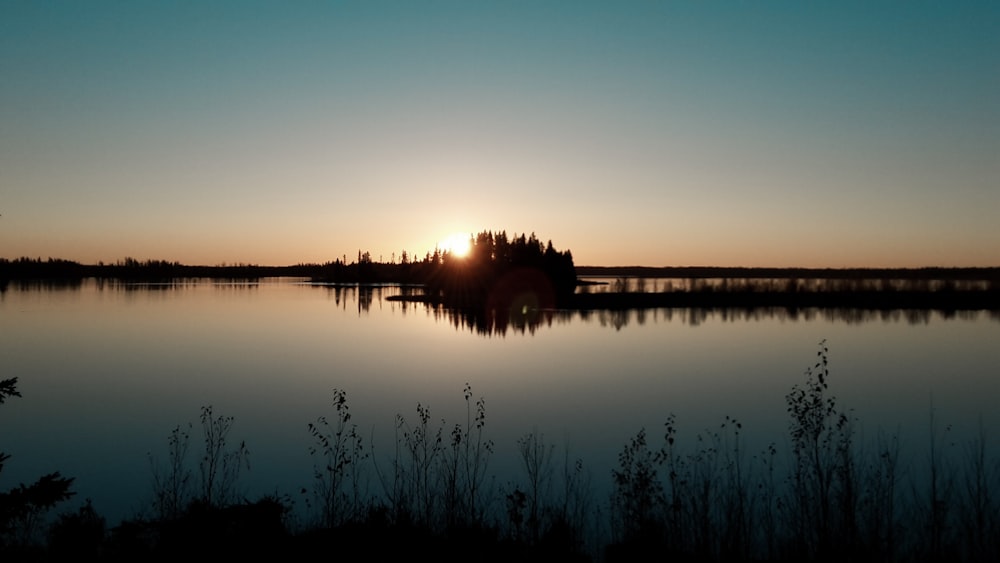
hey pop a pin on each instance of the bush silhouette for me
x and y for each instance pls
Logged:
(23, 508)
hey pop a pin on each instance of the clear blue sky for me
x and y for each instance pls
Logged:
(823, 134)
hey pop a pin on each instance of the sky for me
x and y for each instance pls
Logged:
(655, 133)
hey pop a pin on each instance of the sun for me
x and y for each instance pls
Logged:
(456, 244)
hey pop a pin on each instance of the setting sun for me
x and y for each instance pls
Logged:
(456, 244)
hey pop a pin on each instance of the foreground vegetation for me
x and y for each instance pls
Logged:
(829, 497)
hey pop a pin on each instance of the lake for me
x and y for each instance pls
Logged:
(107, 370)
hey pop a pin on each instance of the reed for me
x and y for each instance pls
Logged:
(701, 497)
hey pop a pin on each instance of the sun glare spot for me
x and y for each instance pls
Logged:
(456, 244)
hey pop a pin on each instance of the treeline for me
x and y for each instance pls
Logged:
(506, 277)
(492, 257)
(503, 272)
(363, 270)
(940, 299)
(131, 269)
(453, 279)
(694, 272)
(501, 251)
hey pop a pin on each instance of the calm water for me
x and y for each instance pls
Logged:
(107, 371)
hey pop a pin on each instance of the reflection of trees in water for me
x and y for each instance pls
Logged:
(113, 284)
(526, 320)
(43, 284)
(851, 316)
(335, 292)
(404, 304)
(364, 295)
(368, 294)
(640, 284)
(621, 318)
(500, 321)
(616, 319)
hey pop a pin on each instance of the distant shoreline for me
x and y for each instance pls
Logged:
(628, 287)
(52, 269)
(724, 272)
(622, 288)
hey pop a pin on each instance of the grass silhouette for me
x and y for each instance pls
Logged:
(829, 497)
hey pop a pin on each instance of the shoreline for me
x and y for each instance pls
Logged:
(944, 300)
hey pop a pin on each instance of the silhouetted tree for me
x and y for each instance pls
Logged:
(23, 507)
(520, 274)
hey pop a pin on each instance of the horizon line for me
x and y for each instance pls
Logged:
(101, 263)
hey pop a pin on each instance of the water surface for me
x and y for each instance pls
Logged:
(107, 370)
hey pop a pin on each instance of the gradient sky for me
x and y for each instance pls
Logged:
(816, 134)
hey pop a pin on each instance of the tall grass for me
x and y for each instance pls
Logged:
(218, 468)
(339, 452)
(829, 496)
